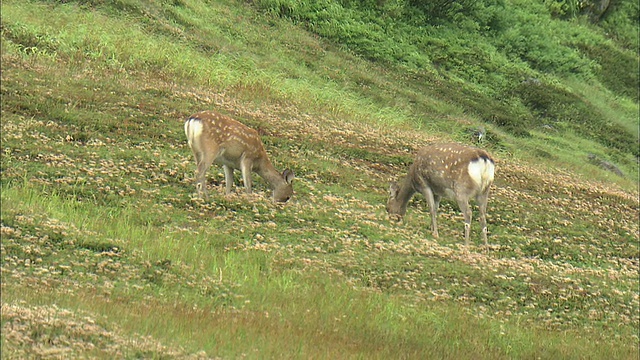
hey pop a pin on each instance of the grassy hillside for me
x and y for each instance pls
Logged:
(106, 251)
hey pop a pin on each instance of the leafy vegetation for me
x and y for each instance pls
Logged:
(494, 47)
(107, 253)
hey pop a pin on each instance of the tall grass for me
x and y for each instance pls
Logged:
(265, 312)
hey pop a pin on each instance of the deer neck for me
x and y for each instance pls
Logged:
(270, 174)
(406, 191)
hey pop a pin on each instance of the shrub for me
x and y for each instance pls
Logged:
(619, 69)
(621, 23)
(554, 105)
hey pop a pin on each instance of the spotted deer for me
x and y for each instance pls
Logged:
(454, 171)
(218, 138)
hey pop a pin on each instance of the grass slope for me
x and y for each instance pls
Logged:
(106, 252)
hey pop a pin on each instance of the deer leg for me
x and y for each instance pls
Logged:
(228, 179)
(482, 204)
(434, 213)
(198, 157)
(204, 163)
(434, 202)
(245, 167)
(463, 204)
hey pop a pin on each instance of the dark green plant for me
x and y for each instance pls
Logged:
(552, 105)
(621, 22)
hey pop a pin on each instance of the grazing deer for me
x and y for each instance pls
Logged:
(451, 170)
(218, 138)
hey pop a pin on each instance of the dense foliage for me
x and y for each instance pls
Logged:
(511, 54)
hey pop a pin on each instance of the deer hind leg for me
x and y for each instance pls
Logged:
(198, 157)
(482, 200)
(463, 204)
(204, 162)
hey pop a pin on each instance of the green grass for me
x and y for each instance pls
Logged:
(237, 301)
(107, 253)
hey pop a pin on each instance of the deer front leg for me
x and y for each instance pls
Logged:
(245, 167)
(434, 202)
(228, 178)
(434, 214)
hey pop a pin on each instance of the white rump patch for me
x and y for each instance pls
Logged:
(481, 172)
(193, 130)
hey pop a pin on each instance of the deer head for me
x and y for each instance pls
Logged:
(218, 138)
(446, 170)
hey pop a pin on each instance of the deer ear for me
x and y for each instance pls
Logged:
(394, 189)
(288, 176)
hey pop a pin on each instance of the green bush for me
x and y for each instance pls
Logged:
(621, 23)
(555, 106)
(619, 69)
(485, 51)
